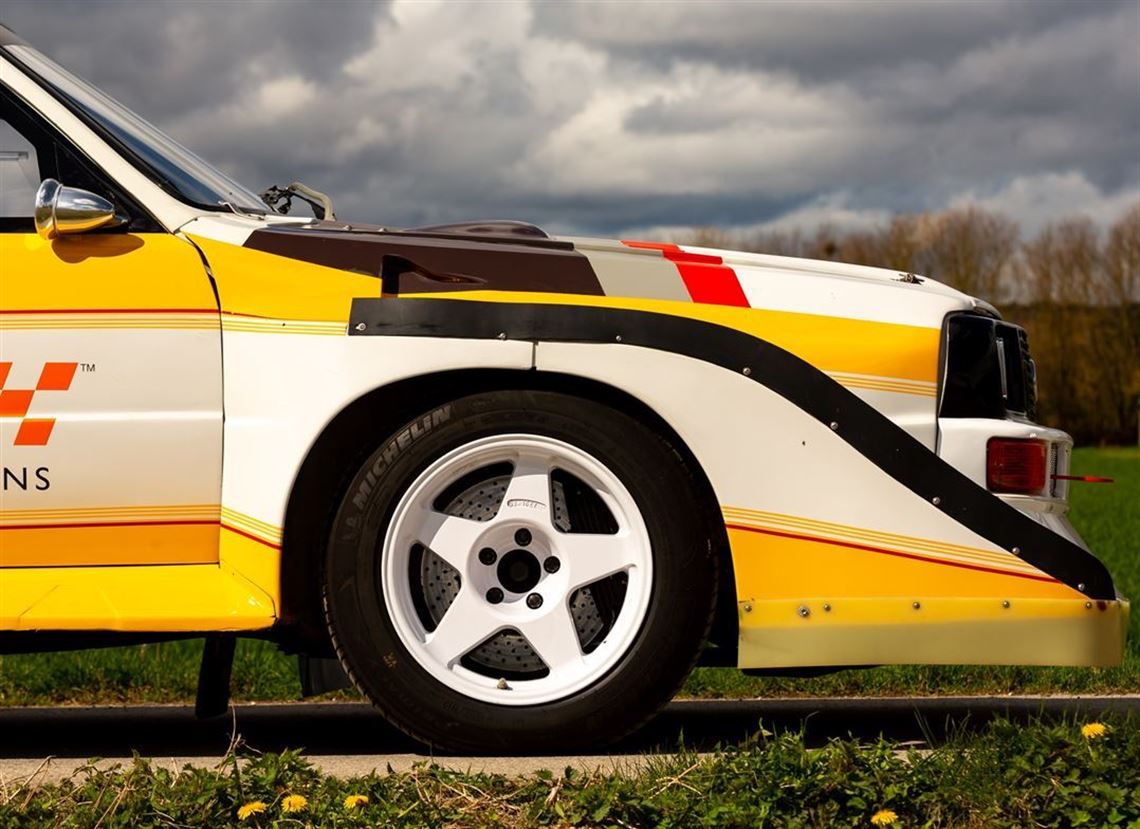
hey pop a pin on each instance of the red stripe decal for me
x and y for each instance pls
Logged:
(706, 277)
(251, 537)
(92, 525)
(869, 549)
(109, 311)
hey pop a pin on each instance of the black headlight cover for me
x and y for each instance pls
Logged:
(987, 370)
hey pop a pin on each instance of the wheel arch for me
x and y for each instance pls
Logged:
(338, 450)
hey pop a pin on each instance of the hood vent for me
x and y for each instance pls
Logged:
(500, 228)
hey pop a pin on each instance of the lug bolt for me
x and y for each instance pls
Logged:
(522, 537)
(494, 595)
(552, 565)
(534, 601)
(488, 556)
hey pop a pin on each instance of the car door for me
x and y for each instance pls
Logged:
(110, 376)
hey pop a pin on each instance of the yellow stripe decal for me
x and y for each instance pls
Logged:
(165, 321)
(247, 524)
(924, 548)
(111, 514)
(263, 325)
(112, 543)
(168, 534)
(890, 384)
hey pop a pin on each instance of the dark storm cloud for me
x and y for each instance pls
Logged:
(166, 57)
(819, 40)
(601, 117)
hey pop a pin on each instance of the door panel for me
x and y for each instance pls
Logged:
(110, 402)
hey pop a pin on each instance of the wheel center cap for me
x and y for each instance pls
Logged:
(519, 571)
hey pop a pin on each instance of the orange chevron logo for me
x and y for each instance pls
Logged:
(33, 431)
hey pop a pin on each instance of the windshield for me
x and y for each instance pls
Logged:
(167, 162)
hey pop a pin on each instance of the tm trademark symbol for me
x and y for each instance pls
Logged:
(87, 368)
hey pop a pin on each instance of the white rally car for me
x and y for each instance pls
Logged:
(516, 485)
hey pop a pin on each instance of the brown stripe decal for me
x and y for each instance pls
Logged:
(411, 263)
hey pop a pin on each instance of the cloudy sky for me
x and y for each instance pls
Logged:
(615, 116)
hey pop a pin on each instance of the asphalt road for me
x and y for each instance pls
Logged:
(349, 739)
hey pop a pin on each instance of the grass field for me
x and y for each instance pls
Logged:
(1108, 516)
(1009, 775)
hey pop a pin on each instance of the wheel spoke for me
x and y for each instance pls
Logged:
(528, 494)
(589, 557)
(450, 537)
(467, 623)
(554, 638)
(517, 571)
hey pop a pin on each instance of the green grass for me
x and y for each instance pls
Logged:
(157, 673)
(1008, 775)
(1108, 516)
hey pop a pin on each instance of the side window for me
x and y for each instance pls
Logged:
(31, 151)
(19, 173)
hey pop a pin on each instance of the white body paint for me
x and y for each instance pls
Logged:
(227, 414)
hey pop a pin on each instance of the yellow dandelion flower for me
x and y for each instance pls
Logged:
(247, 811)
(1093, 730)
(294, 803)
(884, 817)
(355, 801)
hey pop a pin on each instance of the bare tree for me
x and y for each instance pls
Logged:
(1121, 294)
(1059, 274)
(971, 249)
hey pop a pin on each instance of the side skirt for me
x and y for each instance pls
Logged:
(150, 598)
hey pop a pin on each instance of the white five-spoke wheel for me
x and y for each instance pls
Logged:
(520, 571)
(492, 587)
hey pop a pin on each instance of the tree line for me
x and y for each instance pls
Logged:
(1074, 287)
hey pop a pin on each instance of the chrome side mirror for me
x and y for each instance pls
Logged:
(63, 210)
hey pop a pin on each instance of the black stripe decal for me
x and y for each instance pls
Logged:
(874, 436)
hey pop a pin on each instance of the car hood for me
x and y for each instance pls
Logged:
(519, 257)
